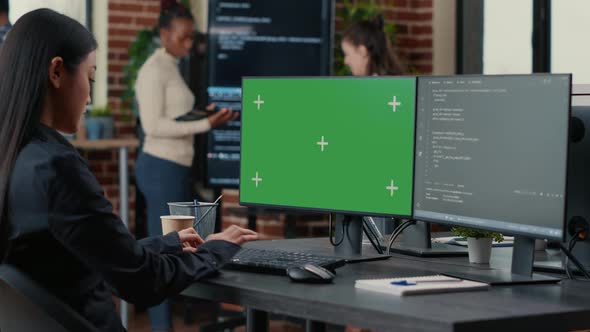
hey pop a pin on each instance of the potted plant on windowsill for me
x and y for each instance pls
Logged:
(99, 123)
(479, 243)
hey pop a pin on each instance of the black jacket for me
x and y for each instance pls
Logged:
(65, 236)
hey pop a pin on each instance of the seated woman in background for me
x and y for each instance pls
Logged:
(55, 223)
(368, 51)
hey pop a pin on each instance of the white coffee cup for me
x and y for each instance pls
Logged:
(176, 223)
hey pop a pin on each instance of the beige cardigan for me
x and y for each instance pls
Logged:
(163, 95)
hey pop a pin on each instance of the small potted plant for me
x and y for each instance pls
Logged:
(99, 123)
(479, 243)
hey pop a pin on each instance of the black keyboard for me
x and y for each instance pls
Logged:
(277, 262)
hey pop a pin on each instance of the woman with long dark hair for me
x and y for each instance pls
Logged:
(55, 223)
(368, 50)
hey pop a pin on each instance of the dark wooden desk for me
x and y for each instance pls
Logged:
(553, 307)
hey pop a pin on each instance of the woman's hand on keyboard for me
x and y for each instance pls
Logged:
(234, 234)
(190, 239)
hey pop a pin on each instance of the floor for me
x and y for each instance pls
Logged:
(201, 314)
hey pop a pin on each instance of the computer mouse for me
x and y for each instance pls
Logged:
(310, 273)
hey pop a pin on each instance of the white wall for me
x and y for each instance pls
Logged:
(75, 9)
(507, 42)
(100, 16)
(570, 40)
(200, 11)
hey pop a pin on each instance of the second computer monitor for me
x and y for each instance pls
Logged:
(491, 152)
(329, 144)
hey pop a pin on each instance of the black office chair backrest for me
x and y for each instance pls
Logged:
(25, 306)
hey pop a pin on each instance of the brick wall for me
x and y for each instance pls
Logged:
(413, 19)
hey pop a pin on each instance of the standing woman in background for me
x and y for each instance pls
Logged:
(163, 167)
(368, 51)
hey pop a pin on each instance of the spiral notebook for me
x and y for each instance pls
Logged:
(420, 285)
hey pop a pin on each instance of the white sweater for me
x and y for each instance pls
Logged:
(162, 96)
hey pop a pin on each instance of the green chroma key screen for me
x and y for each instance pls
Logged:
(330, 144)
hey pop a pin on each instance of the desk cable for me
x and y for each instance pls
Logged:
(398, 231)
(579, 235)
(331, 232)
(374, 238)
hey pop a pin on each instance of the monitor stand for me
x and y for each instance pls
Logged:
(556, 263)
(416, 242)
(349, 240)
(521, 272)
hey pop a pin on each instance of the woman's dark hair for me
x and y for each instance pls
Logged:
(172, 10)
(35, 39)
(370, 33)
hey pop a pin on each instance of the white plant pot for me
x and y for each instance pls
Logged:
(479, 250)
(540, 244)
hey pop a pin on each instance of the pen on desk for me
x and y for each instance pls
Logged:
(402, 283)
(415, 282)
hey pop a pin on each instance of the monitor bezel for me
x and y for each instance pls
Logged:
(326, 210)
(568, 147)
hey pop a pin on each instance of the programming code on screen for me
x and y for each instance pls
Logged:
(493, 149)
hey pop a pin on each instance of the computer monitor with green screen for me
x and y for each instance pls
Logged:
(341, 145)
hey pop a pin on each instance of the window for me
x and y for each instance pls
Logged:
(75, 9)
(79, 10)
(508, 29)
(570, 49)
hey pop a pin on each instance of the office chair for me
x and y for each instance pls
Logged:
(25, 306)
